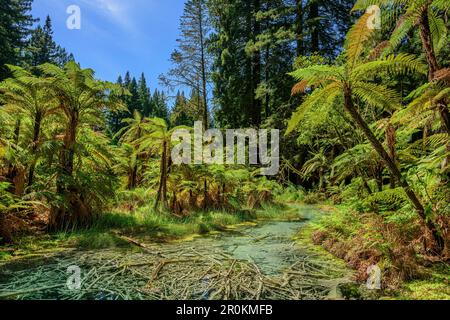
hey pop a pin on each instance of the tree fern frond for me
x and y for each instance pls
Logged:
(317, 74)
(442, 95)
(300, 87)
(357, 37)
(377, 95)
(404, 25)
(319, 95)
(438, 29)
(443, 5)
(362, 5)
(399, 65)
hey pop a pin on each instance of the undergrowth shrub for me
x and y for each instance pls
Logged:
(365, 239)
(314, 198)
(387, 200)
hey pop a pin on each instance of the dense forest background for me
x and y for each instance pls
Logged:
(364, 115)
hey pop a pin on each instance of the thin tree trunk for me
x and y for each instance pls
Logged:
(13, 170)
(203, 67)
(321, 179)
(427, 42)
(349, 106)
(205, 194)
(391, 142)
(34, 148)
(445, 116)
(365, 183)
(161, 196)
(132, 179)
(299, 29)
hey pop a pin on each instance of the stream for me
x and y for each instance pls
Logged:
(248, 262)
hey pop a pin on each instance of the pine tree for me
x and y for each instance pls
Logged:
(144, 97)
(127, 79)
(41, 47)
(15, 23)
(133, 100)
(191, 61)
(180, 112)
(159, 105)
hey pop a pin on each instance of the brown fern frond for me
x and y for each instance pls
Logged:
(300, 87)
(442, 75)
(378, 50)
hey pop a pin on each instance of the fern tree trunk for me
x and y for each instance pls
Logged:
(133, 175)
(433, 65)
(391, 142)
(13, 170)
(34, 147)
(75, 213)
(395, 171)
(161, 197)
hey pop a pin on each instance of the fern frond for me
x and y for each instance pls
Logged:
(377, 95)
(404, 25)
(438, 29)
(316, 75)
(443, 5)
(357, 37)
(300, 87)
(399, 65)
(319, 96)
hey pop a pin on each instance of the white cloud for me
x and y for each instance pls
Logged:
(115, 10)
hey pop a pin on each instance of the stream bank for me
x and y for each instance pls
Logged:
(245, 262)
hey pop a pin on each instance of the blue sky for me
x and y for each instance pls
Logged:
(117, 35)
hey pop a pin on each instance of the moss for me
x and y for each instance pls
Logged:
(435, 287)
(304, 240)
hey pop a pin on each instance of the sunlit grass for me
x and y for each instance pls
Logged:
(144, 222)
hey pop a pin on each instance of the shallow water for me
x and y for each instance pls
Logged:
(269, 245)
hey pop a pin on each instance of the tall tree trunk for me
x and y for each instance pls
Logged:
(321, 179)
(433, 65)
(395, 171)
(313, 16)
(256, 69)
(266, 77)
(205, 194)
(365, 183)
(203, 69)
(427, 42)
(299, 28)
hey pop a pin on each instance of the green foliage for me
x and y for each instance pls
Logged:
(387, 200)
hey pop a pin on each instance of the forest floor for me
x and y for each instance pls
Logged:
(260, 259)
(269, 255)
